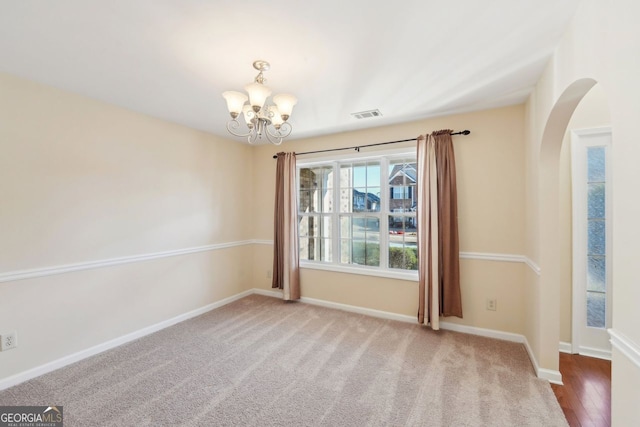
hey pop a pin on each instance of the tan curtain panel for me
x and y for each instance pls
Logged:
(286, 264)
(437, 212)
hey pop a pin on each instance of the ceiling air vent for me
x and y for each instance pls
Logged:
(367, 114)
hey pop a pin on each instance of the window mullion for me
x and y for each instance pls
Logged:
(335, 215)
(384, 208)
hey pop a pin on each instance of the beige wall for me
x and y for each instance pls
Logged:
(490, 165)
(595, 48)
(82, 181)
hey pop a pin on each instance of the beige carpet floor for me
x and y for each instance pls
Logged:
(263, 362)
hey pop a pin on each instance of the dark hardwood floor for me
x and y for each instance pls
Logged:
(585, 396)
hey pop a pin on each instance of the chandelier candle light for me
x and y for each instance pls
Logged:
(261, 118)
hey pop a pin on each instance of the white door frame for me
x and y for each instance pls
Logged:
(580, 140)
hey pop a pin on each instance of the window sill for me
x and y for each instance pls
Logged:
(411, 276)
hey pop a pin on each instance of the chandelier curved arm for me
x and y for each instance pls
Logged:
(277, 137)
(232, 125)
(252, 137)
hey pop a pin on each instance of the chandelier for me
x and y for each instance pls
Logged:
(260, 117)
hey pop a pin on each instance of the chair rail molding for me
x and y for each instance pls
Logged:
(625, 345)
(88, 265)
(11, 276)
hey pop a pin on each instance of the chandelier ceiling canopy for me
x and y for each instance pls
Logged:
(261, 117)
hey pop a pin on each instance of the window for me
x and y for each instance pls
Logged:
(374, 224)
(596, 237)
(315, 207)
(591, 229)
(403, 239)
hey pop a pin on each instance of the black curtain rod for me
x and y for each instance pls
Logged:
(358, 147)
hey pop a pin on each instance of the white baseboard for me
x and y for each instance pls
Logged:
(72, 358)
(554, 377)
(547, 374)
(276, 293)
(594, 352)
(489, 333)
(360, 310)
(565, 347)
(550, 375)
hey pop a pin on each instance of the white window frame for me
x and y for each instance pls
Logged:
(335, 265)
(581, 140)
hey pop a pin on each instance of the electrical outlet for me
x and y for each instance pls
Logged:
(268, 274)
(8, 341)
(492, 304)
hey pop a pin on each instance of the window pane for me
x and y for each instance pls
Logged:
(308, 249)
(596, 237)
(345, 227)
(403, 247)
(346, 176)
(402, 182)
(315, 226)
(359, 175)
(405, 223)
(315, 249)
(346, 200)
(596, 273)
(410, 229)
(403, 257)
(596, 302)
(373, 174)
(595, 200)
(364, 174)
(327, 201)
(373, 228)
(596, 164)
(303, 226)
(315, 189)
(366, 199)
(396, 224)
(325, 226)
(373, 254)
(373, 199)
(364, 247)
(358, 254)
(365, 253)
(345, 251)
(360, 187)
(304, 201)
(359, 199)
(325, 250)
(359, 227)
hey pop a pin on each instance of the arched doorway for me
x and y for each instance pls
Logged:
(556, 264)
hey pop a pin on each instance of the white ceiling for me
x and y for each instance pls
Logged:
(172, 59)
